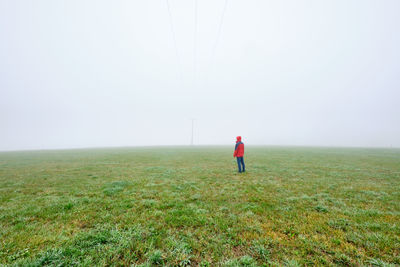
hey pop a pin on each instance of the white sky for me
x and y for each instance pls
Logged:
(82, 73)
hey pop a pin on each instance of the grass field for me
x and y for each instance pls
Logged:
(188, 206)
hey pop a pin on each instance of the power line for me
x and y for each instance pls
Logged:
(219, 29)
(195, 44)
(194, 61)
(174, 40)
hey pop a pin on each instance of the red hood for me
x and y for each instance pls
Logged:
(238, 139)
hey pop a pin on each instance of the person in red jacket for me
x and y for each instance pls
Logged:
(239, 153)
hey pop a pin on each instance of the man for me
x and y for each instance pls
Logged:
(239, 152)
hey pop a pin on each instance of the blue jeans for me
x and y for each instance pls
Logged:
(240, 162)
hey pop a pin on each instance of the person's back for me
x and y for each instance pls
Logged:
(239, 153)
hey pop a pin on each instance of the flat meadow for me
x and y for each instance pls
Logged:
(178, 206)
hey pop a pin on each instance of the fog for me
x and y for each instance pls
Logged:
(119, 73)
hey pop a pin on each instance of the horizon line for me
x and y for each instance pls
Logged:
(192, 146)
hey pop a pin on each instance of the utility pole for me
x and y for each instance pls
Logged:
(191, 140)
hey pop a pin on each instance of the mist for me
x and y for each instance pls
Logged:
(91, 73)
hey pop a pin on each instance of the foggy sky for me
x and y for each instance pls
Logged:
(105, 73)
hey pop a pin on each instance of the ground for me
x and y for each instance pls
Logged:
(188, 206)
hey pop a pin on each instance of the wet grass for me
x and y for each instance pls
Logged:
(182, 206)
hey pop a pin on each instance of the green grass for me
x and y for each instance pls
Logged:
(188, 206)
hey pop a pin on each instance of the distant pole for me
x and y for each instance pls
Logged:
(191, 140)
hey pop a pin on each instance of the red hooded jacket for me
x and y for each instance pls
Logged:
(239, 148)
